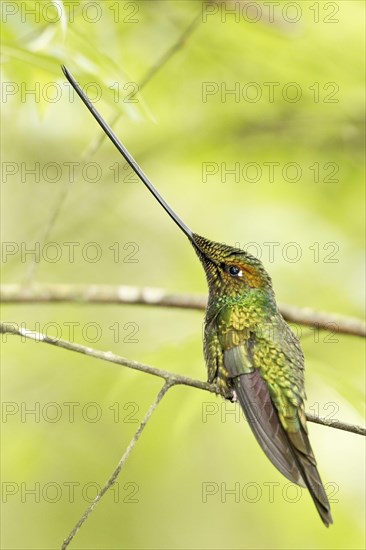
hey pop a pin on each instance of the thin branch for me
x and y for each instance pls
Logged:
(175, 47)
(332, 322)
(105, 294)
(46, 231)
(8, 328)
(165, 57)
(90, 151)
(169, 377)
(339, 425)
(120, 464)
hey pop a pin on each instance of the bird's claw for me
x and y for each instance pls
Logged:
(226, 393)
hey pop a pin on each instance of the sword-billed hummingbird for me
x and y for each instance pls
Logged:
(250, 351)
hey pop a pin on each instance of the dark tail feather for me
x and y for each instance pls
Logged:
(262, 417)
(290, 452)
(309, 472)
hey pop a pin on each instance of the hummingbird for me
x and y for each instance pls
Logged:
(250, 351)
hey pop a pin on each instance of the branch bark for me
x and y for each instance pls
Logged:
(169, 377)
(105, 294)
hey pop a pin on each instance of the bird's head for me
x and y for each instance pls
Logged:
(230, 270)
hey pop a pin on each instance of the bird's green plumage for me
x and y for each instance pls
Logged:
(239, 314)
(250, 350)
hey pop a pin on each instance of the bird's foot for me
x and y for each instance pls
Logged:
(225, 392)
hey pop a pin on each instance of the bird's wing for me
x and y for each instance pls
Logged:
(287, 392)
(267, 375)
(261, 414)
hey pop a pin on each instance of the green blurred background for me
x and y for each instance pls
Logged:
(177, 132)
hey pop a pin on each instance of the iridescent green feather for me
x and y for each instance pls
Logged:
(250, 349)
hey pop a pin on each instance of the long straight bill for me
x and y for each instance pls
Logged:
(122, 149)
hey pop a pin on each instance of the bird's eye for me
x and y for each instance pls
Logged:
(235, 271)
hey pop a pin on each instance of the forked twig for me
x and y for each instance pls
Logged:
(120, 464)
(169, 377)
